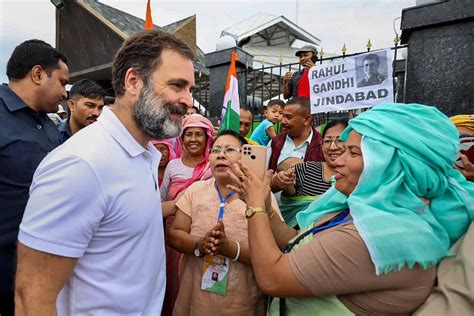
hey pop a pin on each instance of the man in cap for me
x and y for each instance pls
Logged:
(297, 83)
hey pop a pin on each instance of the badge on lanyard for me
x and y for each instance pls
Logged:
(215, 274)
(215, 271)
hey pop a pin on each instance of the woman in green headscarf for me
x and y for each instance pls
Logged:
(370, 244)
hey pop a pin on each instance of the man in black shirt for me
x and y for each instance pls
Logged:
(37, 75)
(86, 101)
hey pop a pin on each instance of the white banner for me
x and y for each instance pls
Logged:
(356, 82)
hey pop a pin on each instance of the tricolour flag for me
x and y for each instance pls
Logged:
(231, 106)
(148, 21)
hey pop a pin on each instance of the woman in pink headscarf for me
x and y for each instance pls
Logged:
(191, 165)
(167, 154)
(193, 157)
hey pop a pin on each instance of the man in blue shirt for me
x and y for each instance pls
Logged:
(86, 101)
(37, 75)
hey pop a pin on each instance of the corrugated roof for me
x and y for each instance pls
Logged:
(126, 23)
(264, 27)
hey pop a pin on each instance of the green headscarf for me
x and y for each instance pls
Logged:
(408, 151)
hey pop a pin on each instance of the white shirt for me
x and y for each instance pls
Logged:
(289, 149)
(95, 198)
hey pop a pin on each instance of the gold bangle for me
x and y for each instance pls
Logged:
(273, 213)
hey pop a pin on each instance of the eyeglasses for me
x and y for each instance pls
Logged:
(327, 142)
(228, 151)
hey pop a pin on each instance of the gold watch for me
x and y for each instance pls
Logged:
(250, 211)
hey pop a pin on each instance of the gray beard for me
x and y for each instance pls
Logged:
(152, 115)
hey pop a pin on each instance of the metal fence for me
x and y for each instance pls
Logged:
(265, 84)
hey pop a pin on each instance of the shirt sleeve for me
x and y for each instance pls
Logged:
(65, 207)
(338, 262)
(185, 201)
(165, 183)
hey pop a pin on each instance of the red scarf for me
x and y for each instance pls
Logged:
(303, 85)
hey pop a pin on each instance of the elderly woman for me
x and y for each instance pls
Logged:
(224, 283)
(191, 166)
(369, 245)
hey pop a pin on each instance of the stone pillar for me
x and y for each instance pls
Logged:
(440, 63)
(218, 64)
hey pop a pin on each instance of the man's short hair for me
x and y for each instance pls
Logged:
(374, 57)
(32, 53)
(247, 108)
(303, 102)
(142, 52)
(87, 89)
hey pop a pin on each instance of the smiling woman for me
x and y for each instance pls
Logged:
(371, 244)
(304, 182)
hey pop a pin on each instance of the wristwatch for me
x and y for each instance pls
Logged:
(197, 252)
(250, 211)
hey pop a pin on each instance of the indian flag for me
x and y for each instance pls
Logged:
(148, 20)
(231, 106)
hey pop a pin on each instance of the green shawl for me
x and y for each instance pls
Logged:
(408, 151)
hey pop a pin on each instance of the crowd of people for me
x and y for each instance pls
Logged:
(141, 207)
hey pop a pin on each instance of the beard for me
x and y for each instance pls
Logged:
(153, 115)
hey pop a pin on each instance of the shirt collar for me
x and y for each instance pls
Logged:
(65, 127)
(306, 142)
(117, 130)
(12, 101)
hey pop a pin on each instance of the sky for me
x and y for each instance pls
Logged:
(334, 22)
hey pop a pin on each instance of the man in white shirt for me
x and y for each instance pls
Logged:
(97, 247)
(298, 138)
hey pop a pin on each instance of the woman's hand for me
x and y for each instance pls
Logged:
(219, 240)
(250, 188)
(206, 243)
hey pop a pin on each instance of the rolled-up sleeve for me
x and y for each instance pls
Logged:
(337, 262)
(65, 207)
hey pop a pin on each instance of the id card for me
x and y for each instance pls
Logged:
(215, 274)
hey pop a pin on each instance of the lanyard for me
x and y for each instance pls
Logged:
(223, 200)
(333, 222)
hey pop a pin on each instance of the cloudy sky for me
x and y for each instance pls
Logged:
(335, 22)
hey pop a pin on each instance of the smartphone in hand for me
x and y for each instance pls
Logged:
(255, 156)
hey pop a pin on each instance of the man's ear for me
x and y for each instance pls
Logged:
(308, 120)
(133, 83)
(71, 105)
(36, 74)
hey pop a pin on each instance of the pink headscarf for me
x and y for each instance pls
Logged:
(196, 120)
(168, 143)
(202, 170)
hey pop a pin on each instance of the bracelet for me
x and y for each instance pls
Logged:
(237, 256)
(273, 213)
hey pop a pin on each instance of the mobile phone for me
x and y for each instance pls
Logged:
(255, 156)
(467, 148)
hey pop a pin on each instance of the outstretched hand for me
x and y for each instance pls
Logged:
(251, 189)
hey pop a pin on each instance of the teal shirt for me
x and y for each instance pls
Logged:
(260, 134)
